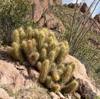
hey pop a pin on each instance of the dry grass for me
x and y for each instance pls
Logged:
(33, 92)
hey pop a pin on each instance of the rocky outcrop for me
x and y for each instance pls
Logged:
(97, 18)
(52, 22)
(15, 82)
(83, 7)
(15, 79)
(72, 5)
(86, 86)
(4, 94)
(40, 6)
(42, 15)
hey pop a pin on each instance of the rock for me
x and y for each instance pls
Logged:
(10, 75)
(80, 74)
(38, 10)
(60, 95)
(50, 21)
(54, 96)
(16, 81)
(97, 18)
(84, 8)
(15, 76)
(4, 94)
(40, 6)
(72, 5)
(33, 92)
(41, 22)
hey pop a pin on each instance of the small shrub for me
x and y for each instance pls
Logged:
(13, 14)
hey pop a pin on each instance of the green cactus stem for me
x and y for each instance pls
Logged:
(22, 33)
(49, 82)
(44, 70)
(52, 55)
(67, 46)
(39, 65)
(33, 58)
(16, 36)
(41, 39)
(34, 43)
(16, 52)
(67, 75)
(55, 87)
(53, 45)
(54, 72)
(61, 69)
(30, 32)
(45, 45)
(62, 53)
(55, 75)
(30, 46)
(71, 87)
(24, 46)
(43, 54)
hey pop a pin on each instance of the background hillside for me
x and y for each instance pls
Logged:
(87, 48)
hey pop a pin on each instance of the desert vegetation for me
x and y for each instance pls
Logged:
(46, 49)
(44, 52)
(79, 33)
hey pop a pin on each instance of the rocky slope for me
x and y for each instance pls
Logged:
(15, 81)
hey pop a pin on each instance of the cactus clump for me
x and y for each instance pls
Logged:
(41, 49)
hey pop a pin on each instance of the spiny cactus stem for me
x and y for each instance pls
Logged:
(44, 71)
(71, 87)
(67, 74)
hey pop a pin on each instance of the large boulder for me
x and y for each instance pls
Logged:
(97, 18)
(50, 21)
(40, 6)
(15, 75)
(4, 94)
(84, 8)
(15, 83)
(85, 84)
(73, 5)
(16, 79)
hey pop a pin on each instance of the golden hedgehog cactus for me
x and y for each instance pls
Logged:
(43, 51)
